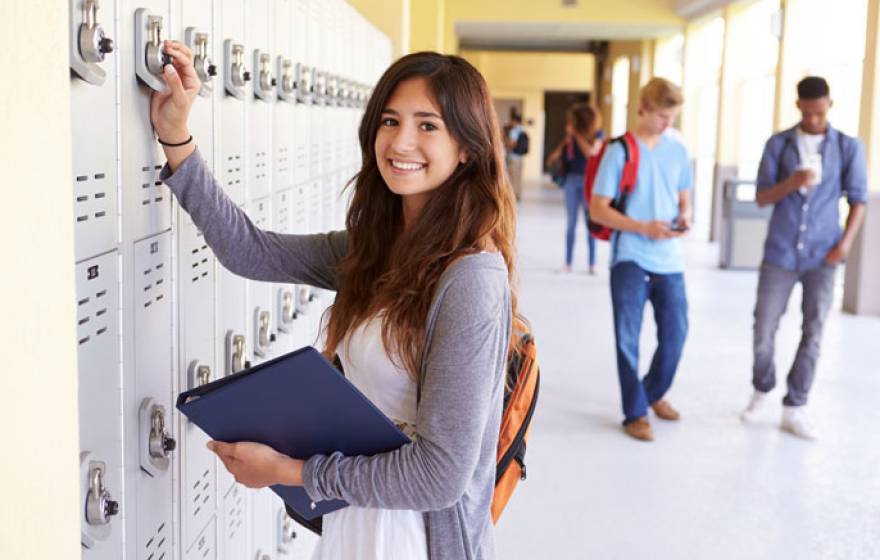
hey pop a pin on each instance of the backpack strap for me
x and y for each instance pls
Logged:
(630, 165)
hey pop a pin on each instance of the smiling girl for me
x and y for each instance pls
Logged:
(422, 318)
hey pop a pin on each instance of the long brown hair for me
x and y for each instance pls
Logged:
(392, 272)
(585, 119)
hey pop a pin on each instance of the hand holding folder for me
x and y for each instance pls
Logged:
(298, 404)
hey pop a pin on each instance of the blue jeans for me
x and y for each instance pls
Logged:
(574, 200)
(631, 287)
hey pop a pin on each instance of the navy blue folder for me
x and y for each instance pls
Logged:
(300, 405)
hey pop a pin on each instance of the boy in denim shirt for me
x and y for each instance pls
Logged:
(804, 172)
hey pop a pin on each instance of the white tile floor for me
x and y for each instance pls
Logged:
(708, 487)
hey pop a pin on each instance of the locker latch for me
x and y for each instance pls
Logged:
(265, 82)
(304, 297)
(319, 87)
(286, 532)
(332, 90)
(343, 93)
(199, 374)
(235, 361)
(205, 68)
(90, 45)
(263, 336)
(203, 375)
(287, 308)
(303, 83)
(287, 83)
(100, 506)
(236, 75)
(161, 443)
(150, 59)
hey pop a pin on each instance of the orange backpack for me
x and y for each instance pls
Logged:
(520, 398)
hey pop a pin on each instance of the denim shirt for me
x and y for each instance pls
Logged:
(803, 229)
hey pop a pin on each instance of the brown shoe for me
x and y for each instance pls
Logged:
(665, 411)
(639, 429)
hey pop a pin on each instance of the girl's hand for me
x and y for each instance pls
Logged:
(256, 465)
(169, 109)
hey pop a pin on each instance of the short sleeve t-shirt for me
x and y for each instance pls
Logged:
(663, 173)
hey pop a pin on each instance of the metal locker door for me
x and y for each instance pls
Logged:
(148, 397)
(302, 73)
(233, 344)
(284, 295)
(328, 195)
(260, 99)
(143, 25)
(316, 123)
(100, 407)
(198, 366)
(260, 307)
(263, 524)
(303, 294)
(230, 126)
(93, 124)
(285, 93)
(205, 545)
(234, 524)
(235, 71)
(196, 362)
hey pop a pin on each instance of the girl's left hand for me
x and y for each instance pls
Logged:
(256, 465)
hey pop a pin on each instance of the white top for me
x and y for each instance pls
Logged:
(369, 533)
(808, 149)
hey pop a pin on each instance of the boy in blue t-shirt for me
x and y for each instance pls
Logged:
(646, 262)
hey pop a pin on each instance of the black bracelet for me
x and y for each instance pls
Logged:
(184, 143)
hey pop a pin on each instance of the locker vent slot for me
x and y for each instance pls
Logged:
(155, 548)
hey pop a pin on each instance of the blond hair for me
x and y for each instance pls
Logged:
(660, 93)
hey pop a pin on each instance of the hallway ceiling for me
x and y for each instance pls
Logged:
(551, 36)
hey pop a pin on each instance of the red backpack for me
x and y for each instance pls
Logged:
(627, 180)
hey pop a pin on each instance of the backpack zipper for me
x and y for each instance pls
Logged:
(510, 454)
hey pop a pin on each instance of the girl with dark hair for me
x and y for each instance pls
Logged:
(582, 140)
(422, 318)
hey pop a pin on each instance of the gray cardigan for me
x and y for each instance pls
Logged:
(448, 471)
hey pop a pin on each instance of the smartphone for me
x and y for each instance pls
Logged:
(677, 227)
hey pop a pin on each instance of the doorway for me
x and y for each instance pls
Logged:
(556, 104)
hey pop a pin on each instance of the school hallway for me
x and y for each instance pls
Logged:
(708, 487)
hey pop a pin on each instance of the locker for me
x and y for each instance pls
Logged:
(260, 100)
(233, 523)
(205, 545)
(231, 116)
(93, 120)
(149, 396)
(289, 327)
(276, 118)
(263, 524)
(100, 391)
(146, 201)
(260, 293)
(283, 108)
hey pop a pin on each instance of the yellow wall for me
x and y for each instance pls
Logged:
(391, 17)
(426, 25)
(40, 512)
(527, 76)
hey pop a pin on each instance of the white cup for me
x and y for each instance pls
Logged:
(813, 162)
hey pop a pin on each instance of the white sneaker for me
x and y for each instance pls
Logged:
(794, 421)
(756, 407)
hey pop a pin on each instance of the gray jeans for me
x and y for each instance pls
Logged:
(774, 289)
